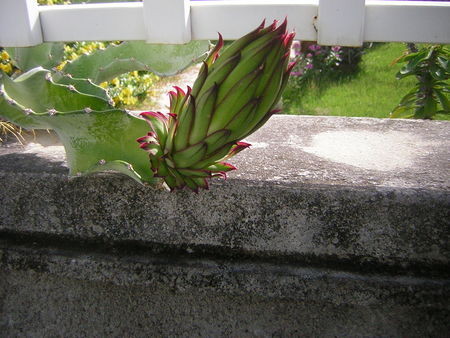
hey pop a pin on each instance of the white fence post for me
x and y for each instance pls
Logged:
(19, 22)
(341, 22)
(167, 21)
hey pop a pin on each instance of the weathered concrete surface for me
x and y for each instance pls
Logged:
(283, 200)
(342, 151)
(341, 223)
(85, 291)
(44, 305)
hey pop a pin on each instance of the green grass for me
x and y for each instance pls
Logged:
(372, 92)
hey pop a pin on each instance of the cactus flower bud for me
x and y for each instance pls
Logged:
(234, 94)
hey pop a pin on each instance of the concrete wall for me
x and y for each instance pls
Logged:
(330, 227)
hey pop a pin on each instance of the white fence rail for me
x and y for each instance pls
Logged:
(330, 22)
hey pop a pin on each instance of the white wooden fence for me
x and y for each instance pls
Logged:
(330, 22)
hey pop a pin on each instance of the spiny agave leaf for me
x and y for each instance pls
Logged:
(46, 55)
(164, 60)
(36, 90)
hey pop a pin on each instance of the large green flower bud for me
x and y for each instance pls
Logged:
(235, 94)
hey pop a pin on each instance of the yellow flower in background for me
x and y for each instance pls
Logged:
(7, 68)
(115, 82)
(61, 65)
(126, 96)
(4, 55)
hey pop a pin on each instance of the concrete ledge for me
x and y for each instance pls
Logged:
(341, 214)
(67, 292)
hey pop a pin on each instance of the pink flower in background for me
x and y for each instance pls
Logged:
(309, 66)
(309, 56)
(336, 48)
(297, 73)
(295, 49)
(314, 48)
(296, 45)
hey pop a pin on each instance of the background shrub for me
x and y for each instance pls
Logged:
(317, 66)
(429, 96)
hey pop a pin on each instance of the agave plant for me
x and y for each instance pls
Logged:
(235, 94)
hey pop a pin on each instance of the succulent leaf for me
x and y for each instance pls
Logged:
(36, 90)
(46, 55)
(83, 86)
(96, 136)
(164, 60)
(17, 114)
(116, 166)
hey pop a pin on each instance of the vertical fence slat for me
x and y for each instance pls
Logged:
(341, 22)
(19, 22)
(167, 21)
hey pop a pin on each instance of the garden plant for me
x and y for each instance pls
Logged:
(316, 62)
(317, 66)
(429, 96)
(235, 94)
